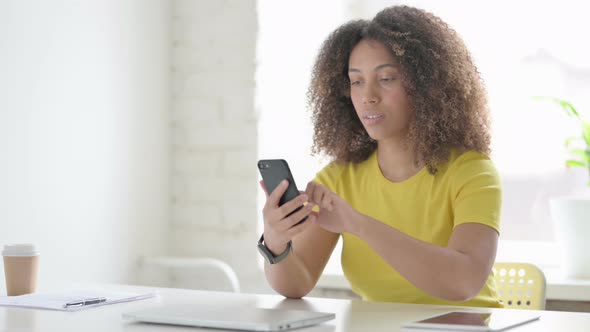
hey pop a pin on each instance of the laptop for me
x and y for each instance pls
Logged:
(234, 318)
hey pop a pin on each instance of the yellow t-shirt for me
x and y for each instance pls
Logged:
(427, 207)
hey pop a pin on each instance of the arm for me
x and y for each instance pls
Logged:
(296, 275)
(453, 273)
(456, 272)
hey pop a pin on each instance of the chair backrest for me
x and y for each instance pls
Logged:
(182, 270)
(520, 285)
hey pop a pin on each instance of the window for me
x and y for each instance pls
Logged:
(522, 49)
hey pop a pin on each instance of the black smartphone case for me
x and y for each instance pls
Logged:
(273, 171)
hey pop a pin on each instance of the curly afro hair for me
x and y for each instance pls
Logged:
(445, 90)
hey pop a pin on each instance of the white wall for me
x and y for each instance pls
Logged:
(214, 128)
(84, 134)
(286, 53)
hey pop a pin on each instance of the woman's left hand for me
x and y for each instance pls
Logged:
(335, 215)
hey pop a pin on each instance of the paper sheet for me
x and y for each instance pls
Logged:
(57, 301)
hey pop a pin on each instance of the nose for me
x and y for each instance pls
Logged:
(370, 95)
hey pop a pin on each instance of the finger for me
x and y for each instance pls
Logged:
(270, 210)
(322, 196)
(327, 201)
(313, 218)
(291, 232)
(263, 187)
(317, 194)
(275, 196)
(291, 205)
(298, 216)
(310, 190)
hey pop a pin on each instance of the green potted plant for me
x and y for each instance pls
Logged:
(571, 215)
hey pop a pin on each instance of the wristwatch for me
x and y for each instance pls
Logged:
(268, 255)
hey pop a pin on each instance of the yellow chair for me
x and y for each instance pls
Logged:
(520, 285)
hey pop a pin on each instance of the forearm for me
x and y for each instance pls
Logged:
(439, 271)
(290, 277)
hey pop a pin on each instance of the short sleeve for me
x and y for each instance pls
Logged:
(477, 191)
(329, 176)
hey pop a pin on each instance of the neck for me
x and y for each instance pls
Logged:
(397, 162)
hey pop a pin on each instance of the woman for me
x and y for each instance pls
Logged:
(400, 108)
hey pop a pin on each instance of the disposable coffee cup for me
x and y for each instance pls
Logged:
(21, 266)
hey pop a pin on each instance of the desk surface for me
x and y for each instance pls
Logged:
(350, 315)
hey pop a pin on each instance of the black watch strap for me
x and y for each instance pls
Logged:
(268, 255)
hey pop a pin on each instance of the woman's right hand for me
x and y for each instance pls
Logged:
(278, 228)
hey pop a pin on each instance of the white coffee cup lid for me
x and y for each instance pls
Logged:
(20, 250)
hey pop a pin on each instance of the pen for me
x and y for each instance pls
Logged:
(85, 302)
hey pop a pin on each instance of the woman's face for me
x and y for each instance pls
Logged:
(377, 93)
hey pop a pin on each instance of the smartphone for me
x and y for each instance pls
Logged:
(473, 321)
(273, 171)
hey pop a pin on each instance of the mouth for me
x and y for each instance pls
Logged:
(372, 118)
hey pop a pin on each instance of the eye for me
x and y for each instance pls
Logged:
(355, 82)
(387, 79)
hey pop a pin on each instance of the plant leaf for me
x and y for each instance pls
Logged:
(570, 139)
(581, 153)
(586, 132)
(575, 163)
(567, 106)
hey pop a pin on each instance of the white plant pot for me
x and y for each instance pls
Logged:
(571, 216)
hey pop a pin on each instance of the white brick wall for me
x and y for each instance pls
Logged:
(214, 175)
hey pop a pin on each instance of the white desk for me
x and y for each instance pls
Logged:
(350, 315)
